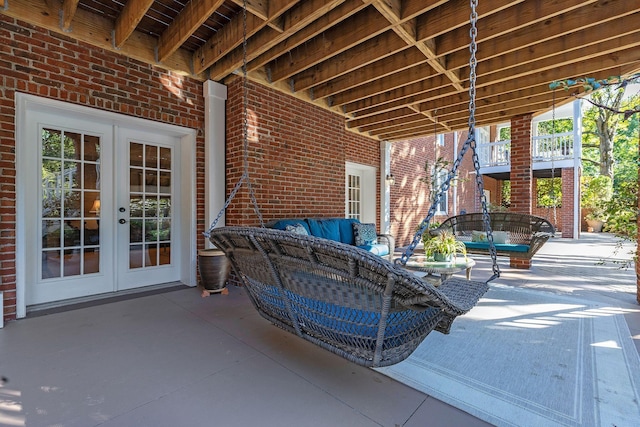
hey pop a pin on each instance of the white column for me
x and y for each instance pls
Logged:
(385, 199)
(215, 96)
(577, 166)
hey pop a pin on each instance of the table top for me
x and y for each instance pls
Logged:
(428, 265)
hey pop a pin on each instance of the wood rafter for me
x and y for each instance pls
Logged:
(128, 20)
(69, 8)
(394, 69)
(195, 13)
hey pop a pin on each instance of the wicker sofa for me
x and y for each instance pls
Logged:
(344, 230)
(516, 235)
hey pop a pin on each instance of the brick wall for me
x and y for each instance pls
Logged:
(409, 197)
(565, 216)
(297, 154)
(521, 173)
(39, 62)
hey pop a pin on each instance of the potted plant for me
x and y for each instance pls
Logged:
(596, 192)
(443, 246)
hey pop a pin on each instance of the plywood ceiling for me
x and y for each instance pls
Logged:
(395, 69)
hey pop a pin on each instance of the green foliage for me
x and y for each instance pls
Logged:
(444, 243)
(551, 127)
(549, 192)
(590, 83)
(505, 134)
(596, 193)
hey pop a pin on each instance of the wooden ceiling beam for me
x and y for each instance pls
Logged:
(522, 94)
(397, 62)
(434, 97)
(362, 26)
(300, 18)
(440, 98)
(381, 118)
(225, 40)
(626, 43)
(545, 31)
(126, 23)
(418, 73)
(68, 11)
(578, 46)
(391, 10)
(358, 57)
(454, 14)
(391, 126)
(265, 10)
(520, 17)
(194, 14)
(97, 31)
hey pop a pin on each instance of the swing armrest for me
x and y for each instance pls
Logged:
(390, 241)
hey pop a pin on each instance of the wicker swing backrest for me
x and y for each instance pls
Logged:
(342, 298)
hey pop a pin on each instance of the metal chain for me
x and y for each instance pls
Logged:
(553, 166)
(245, 114)
(469, 143)
(245, 135)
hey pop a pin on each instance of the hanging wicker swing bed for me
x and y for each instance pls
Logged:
(344, 299)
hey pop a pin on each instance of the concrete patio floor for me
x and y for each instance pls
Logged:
(172, 358)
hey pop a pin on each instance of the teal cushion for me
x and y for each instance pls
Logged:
(377, 249)
(500, 247)
(283, 223)
(325, 228)
(346, 230)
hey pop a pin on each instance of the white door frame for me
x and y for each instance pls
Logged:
(368, 190)
(26, 103)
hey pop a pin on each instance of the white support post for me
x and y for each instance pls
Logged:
(577, 167)
(215, 96)
(385, 199)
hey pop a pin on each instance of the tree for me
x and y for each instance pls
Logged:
(601, 125)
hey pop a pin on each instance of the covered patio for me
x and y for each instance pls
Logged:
(170, 357)
(330, 85)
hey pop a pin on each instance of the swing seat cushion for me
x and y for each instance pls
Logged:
(376, 249)
(505, 247)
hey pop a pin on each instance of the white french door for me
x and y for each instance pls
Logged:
(99, 208)
(147, 215)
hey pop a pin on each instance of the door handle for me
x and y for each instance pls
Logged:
(122, 221)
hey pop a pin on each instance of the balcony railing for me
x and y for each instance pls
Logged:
(545, 148)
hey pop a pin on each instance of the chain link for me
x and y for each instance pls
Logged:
(245, 135)
(470, 143)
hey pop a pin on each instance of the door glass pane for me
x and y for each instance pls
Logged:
(149, 205)
(353, 194)
(70, 209)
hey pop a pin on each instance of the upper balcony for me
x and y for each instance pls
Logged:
(550, 153)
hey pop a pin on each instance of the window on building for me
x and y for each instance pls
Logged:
(441, 177)
(440, 139)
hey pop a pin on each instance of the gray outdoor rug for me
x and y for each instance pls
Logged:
(532, 358)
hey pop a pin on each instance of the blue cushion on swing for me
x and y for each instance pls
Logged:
(503, 247)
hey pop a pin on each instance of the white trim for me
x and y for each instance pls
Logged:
(367, 190)
(215, 97)
(385, 187)
(25, 103)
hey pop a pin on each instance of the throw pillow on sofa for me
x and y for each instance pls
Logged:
(365, 234)
(297, 229)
